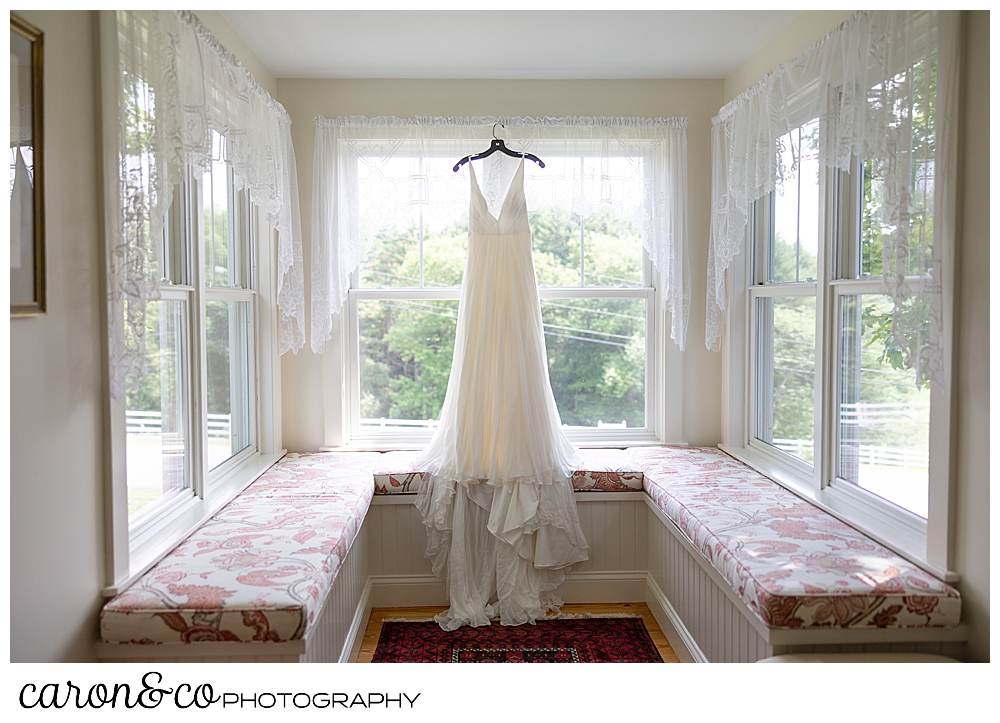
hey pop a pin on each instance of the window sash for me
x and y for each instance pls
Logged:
(899, 529)
(155, 530)
(403, 437)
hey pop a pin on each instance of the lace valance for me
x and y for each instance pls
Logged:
(876, 83)
(369, 172)
(174, 85)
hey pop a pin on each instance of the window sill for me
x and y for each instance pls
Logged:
(159, 539)
(580, 438)
(893, 531)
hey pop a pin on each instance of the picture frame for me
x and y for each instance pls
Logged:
(27, 185)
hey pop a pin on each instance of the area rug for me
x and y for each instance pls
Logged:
(619, 639)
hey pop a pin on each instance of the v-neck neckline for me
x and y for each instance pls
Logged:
(475, 184)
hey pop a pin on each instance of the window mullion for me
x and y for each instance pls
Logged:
(825, 418)
(199, 364)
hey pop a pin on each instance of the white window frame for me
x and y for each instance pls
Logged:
(131, 549)
(664, 401)
(923, 542)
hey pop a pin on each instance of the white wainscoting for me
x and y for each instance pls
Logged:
(702, 616)
(614, 524)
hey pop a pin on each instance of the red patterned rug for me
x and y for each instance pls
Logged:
(554, 640)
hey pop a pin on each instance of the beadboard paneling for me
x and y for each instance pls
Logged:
(333, 636)
(614, 529)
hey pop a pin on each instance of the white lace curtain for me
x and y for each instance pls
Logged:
(172, 83)
(870, 85)
(369, 172)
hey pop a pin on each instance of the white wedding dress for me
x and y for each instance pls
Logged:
(497, 499)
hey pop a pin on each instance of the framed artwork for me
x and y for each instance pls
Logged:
(27, 189)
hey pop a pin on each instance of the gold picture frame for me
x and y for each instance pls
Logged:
(27, 194)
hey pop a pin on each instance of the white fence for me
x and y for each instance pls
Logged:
(869, 455)
(151, 423)
(864, 414)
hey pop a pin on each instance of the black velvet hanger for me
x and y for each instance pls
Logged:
(497, 144)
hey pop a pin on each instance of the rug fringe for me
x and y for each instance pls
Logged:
(559, 616)
(584, 616)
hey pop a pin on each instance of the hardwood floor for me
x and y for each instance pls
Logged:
(374, 628)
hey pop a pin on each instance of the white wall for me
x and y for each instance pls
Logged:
(789, 42)
(972, 362)
(698, 100)
(223, 31)
(57, 466)
(972, 333)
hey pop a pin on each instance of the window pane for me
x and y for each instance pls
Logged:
(173, 267)
(555, 241)
(406, 348)
(597, 360)
(612, 251)
(229, 402)
(157, 412)
(394, 259)
(786, 370)
(225, 223)
(796, 207)
(445, 248)
(908, 179)
(884, 415)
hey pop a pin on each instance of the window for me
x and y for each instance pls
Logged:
(834, 406)
(786, 245)
(198, 213)
(597, 302)
(193, 423)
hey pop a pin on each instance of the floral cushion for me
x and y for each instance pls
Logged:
(260, 569)
(793, 564)
(603, 470)
(607, 470)
(394, 473)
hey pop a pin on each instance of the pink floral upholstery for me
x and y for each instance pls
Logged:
(394, 473)
(607, 470)
(794, 565)
(260, 569)
(604, 470)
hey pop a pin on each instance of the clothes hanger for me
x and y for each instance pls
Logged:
(497, 144)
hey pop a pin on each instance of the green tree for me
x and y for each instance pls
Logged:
(596, 348)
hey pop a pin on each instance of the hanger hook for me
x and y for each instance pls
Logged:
(495, 129)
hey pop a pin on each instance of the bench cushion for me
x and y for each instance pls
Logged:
(793, 564)
(603, 470)
(261, 568)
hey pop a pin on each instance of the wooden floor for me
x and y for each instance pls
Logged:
(374, 629)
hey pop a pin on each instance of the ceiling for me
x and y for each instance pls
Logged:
(505, 43)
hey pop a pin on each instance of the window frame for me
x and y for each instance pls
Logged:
(923, 542)
(341, 370)
(130, 550)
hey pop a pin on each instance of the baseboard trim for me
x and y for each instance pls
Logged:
(393, 591)
(671, 624)
(124, 652)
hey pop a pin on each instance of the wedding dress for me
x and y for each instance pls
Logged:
(496, 497)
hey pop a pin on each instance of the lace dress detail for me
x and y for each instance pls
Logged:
(502, 524)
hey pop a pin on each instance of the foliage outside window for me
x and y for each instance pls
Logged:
(594, 302)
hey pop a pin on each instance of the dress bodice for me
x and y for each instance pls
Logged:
(513, 216)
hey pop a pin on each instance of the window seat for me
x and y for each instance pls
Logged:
(603, 470)
(791, 563)
(260, 569)
(295, 563)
